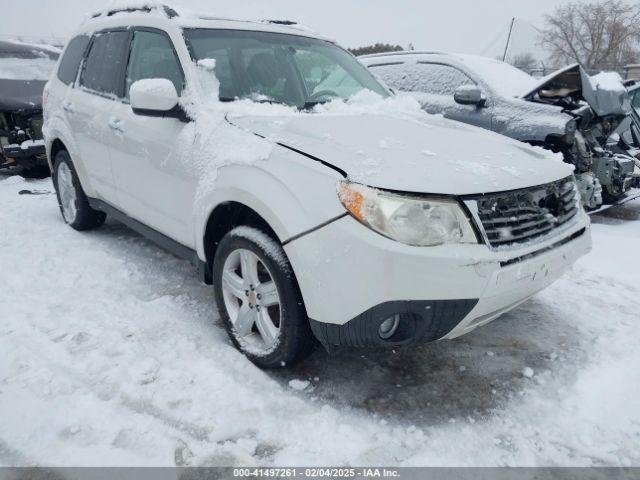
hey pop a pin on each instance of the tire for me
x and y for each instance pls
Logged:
(72, 200)
(245, 299)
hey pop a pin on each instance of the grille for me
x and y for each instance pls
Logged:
(522, 215)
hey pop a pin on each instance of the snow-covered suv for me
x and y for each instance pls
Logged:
(316, 203)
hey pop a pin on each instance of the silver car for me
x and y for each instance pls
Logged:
(567, 112)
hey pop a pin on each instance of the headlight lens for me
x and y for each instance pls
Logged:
(410, 220)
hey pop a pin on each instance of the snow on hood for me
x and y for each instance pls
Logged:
(605, 92)
(392, 144)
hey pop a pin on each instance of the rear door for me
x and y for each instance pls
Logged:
(89, 107)
(155, 184)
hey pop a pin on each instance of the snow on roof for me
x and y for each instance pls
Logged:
(188, 17)
(128, 6)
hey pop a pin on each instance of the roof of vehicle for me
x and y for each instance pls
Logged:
(460, 57)
(128, 12)
(401, 53)
(26, 50)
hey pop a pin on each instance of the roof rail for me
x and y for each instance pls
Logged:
(168, 11)
(281, 22)
(403, 52)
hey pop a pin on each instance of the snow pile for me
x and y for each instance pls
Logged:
(367, 102)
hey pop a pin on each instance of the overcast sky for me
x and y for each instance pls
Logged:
(468, 26)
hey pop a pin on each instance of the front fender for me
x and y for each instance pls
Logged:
(292, 193)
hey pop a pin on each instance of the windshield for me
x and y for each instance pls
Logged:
(280, 68)
(13, 68)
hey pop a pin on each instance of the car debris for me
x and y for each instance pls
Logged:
(567, 112)
(24, 70)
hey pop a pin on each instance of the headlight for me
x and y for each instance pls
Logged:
(412, 220)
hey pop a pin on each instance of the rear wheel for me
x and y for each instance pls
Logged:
(72, 200)
(259, 300)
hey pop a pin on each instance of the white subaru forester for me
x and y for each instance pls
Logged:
(312, 199)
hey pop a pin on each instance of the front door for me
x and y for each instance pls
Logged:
(150, 155)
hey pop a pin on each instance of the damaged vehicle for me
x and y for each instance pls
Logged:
(270, 158)
(24, 70)
(566, 112)
(627, 137)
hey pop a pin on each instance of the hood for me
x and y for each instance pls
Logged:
(605, 93)
(21, 94)
(425, 155)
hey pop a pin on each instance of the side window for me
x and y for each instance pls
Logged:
(432, 78)
(102, 70)
(152, 56)
(68, 69)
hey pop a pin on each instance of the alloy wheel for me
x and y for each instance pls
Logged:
(252, 301)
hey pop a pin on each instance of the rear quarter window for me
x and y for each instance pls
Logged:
(68, 69)
(104, 68)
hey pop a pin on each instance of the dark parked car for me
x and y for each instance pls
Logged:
(24, 70)
(567, 112)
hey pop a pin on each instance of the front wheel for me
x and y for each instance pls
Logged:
(259, 300)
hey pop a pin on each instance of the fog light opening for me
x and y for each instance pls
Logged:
(389, 327)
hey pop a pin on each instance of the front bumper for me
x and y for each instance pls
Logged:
(352, 279)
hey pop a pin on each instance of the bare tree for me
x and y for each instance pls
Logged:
(524, 61)
(377, 48)
(600, 34)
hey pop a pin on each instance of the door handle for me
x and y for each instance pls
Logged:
(68, 107)
(116, 124)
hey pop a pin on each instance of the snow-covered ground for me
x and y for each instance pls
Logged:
(111, 354)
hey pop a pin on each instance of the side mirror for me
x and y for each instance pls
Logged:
(469, 95)
(155, 97)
